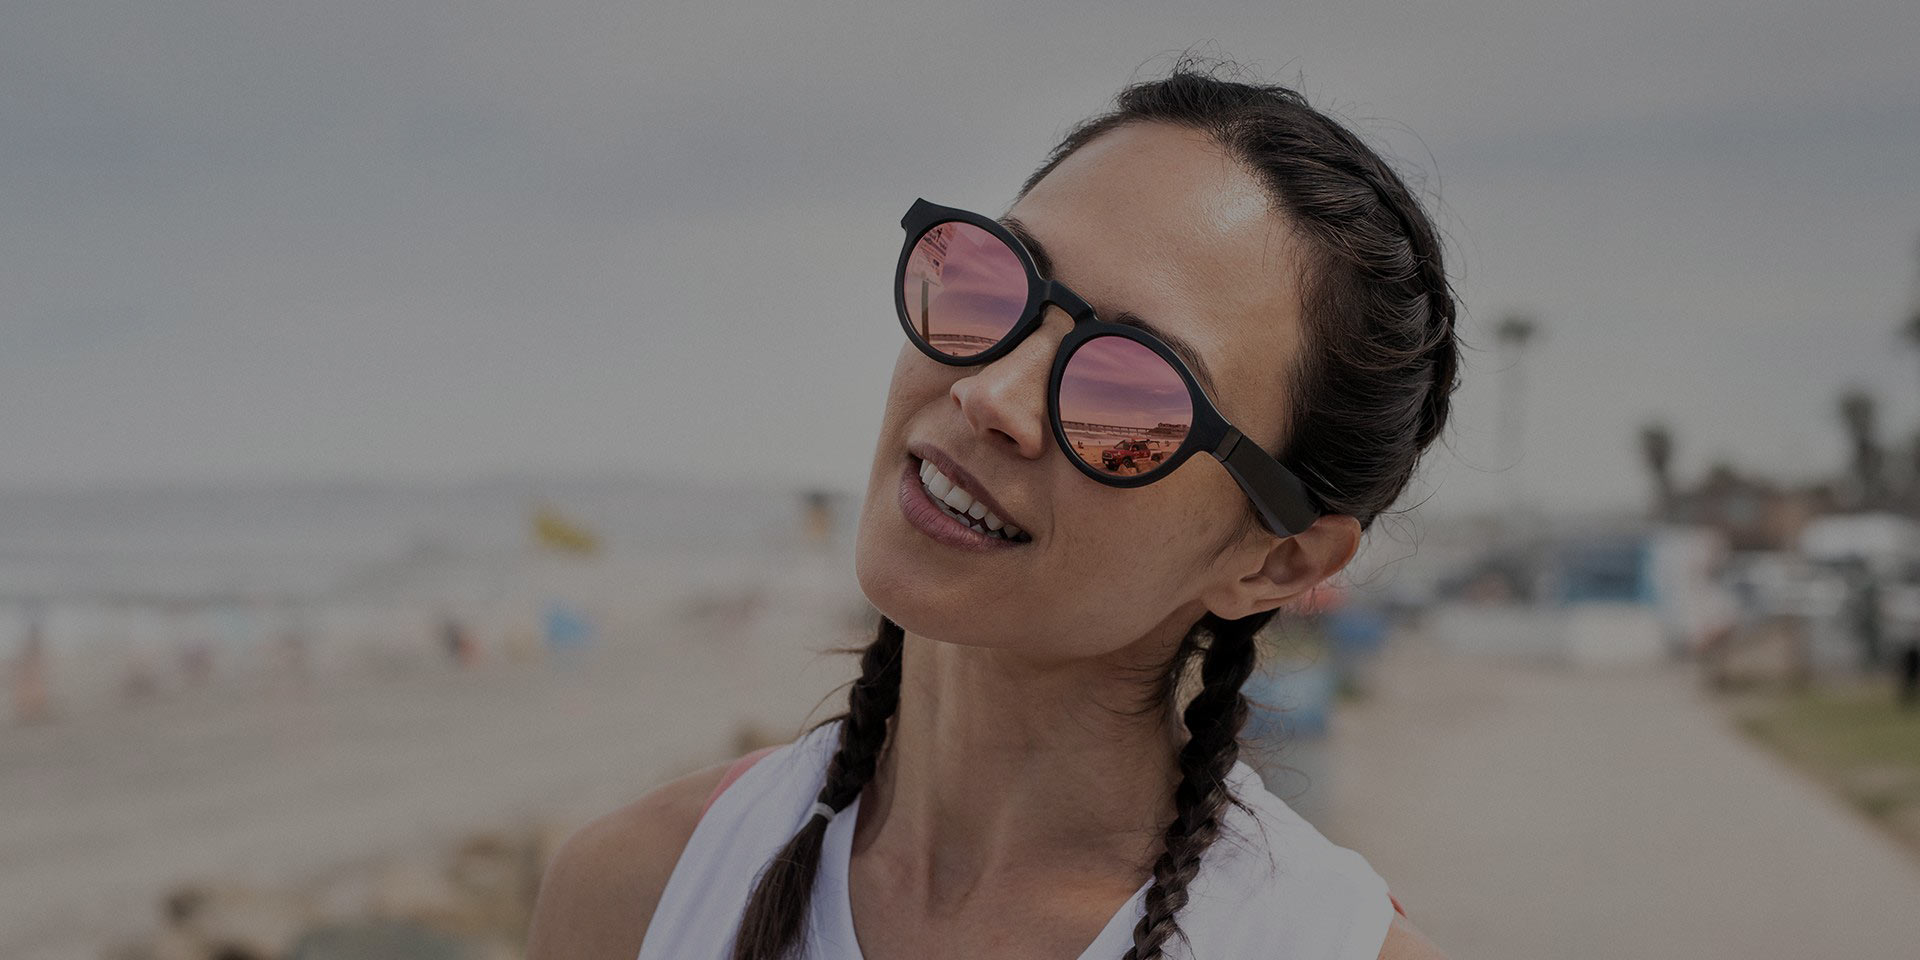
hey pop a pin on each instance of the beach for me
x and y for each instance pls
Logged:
(274, 783)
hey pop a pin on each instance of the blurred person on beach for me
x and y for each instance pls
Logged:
(1040, 759)
(457, 643)
(818, 510)
(30, 702)
(1902, 616)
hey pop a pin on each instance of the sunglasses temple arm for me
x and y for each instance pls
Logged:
(1279, 495)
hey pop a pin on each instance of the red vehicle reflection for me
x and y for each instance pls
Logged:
(1128, 455)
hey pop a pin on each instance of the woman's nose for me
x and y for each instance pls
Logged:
(1009, 396)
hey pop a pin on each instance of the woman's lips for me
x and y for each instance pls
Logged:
(929, 519)
(926, 453)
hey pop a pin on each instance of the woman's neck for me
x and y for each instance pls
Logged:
(997, 767)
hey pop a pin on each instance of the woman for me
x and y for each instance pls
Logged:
(1027, 767)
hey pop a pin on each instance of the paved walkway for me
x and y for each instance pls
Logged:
(1525, 812)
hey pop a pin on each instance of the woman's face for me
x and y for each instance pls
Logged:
(1150, 219)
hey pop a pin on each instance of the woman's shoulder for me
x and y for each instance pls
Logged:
(1405, 942)
(1270, 838)
(1290, 887)
(599, 893)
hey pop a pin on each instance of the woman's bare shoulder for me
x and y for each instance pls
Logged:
(1405, 942)
(599, 892)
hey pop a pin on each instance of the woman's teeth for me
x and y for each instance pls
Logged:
(961, 506)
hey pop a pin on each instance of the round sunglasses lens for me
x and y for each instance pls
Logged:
(965, 289)
(1125, 410)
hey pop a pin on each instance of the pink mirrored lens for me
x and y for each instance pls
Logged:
(965, 288)
(1124, 408)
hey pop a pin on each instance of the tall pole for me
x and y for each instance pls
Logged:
(1513, 332)
(926, 322)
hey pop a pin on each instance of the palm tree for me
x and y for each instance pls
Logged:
(1656, 449)
(1910, 496)
(1858, 413)
(1911, 328)
(1910, 332)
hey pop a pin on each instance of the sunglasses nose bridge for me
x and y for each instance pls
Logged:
(1056, 293)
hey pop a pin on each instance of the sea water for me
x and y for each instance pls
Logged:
(132, 588)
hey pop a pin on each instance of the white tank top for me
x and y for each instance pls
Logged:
(1269, 886)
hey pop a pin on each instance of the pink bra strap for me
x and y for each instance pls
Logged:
(733, 773)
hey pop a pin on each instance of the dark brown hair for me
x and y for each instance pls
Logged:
(1370, 391)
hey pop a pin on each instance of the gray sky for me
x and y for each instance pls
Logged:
(427, 240)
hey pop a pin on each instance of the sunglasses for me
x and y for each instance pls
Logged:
(1124, 406)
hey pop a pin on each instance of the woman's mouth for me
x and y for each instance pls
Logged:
(937, 508)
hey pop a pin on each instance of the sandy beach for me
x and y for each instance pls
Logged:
(269, 784)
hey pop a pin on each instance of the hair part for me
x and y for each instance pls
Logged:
(1367, 393)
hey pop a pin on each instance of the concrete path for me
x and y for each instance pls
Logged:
(1523, 813)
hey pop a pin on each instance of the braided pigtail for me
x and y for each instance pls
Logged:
(1214, 718)
(776, 913)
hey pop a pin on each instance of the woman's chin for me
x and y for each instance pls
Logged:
(924, 608)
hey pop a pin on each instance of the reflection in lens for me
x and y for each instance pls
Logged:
(1124, 408)
(965, 288)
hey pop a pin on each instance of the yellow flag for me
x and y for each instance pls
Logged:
(556, 532)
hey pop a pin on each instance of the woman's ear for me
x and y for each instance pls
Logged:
(1271, 571)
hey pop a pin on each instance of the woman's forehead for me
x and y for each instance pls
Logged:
(1163, 222)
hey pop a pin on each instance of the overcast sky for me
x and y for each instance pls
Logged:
(433, 240)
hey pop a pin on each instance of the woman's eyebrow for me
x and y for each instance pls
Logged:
(1033, 244)
(1181, 346)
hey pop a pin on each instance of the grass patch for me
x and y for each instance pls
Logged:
(1853, 737)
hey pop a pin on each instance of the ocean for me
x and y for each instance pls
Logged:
(131, 588)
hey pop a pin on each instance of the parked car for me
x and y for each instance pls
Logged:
(1127, 455)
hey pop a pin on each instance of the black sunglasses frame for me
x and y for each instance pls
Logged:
(1282, 500)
